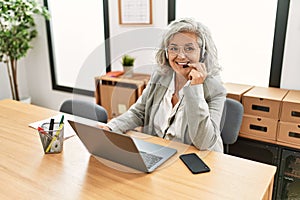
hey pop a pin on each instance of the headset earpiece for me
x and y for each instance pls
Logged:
(203, 57)
(203, 51)
(167, 56)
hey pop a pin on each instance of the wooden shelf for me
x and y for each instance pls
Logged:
(269, 141)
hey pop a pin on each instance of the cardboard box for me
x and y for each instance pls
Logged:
(289, 133)
(117, 94)
(291, 107)
(264, 102)
(236, 91)
(259, 127)
(117, 100)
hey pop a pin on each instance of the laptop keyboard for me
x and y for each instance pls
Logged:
(150, 159)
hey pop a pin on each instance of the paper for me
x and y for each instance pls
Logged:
(68, 131)
(135, 11)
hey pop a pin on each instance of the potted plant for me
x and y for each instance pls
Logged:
(128, 63)
(17, 29)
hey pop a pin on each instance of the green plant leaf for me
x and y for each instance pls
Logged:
(127, 60)
(17, 30)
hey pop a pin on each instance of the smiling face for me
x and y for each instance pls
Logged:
(183, 48)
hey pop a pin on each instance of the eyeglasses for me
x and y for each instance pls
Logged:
(187, 50)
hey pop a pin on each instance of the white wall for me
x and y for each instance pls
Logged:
(291, 62)
(37, 76)
(138, 41)
(36, 82)
(4, 82)
(244, 40)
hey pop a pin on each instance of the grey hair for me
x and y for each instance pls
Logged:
(203, 34)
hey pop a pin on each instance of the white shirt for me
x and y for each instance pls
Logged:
(166, 112)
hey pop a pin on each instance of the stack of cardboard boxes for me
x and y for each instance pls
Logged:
(262, 108)
(289, 124)
(270, 114)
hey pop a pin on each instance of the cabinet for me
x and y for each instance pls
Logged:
(258, 151)
(270, 133)
(286, 159)
(289, 175)
(117, 94)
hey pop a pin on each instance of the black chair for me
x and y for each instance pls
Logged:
(231, 122)
(86, 109)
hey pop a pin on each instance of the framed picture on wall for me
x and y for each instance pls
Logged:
(135, 12)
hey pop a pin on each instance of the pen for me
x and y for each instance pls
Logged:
(57, 133)
(51, 127)
(41, 130)
(61, 120)
(45, 137)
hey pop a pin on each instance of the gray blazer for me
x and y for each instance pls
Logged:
(202, 113)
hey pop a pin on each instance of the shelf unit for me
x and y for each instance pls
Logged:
(117, 94)
(275, 147)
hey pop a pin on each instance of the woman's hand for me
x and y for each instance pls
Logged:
(103, 126)
(198, 73)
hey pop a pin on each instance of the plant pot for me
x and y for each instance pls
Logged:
(128, 71)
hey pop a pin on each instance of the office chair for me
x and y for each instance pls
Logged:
(231, 122)
(86, 109)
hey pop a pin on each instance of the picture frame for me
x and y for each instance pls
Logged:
(135, 12)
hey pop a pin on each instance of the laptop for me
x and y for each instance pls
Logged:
(121, 148)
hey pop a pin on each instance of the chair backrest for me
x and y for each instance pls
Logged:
(231, 122)
(84, 109)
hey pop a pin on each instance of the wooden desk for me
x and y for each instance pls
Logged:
(27, 173)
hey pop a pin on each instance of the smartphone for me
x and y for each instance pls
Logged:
(194, 163)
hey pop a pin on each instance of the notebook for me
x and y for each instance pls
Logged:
(121, 148)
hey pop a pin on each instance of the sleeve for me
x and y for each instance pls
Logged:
(205, 104)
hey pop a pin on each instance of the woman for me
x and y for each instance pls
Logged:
(184, 99)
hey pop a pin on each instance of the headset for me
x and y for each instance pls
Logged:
(167, 56)
(203, 51)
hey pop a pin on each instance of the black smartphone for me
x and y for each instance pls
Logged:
(194, 163)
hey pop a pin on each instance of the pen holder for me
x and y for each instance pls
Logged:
(52, 140)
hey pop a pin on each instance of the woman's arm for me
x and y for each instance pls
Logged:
(134, 116)
(203, 111)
